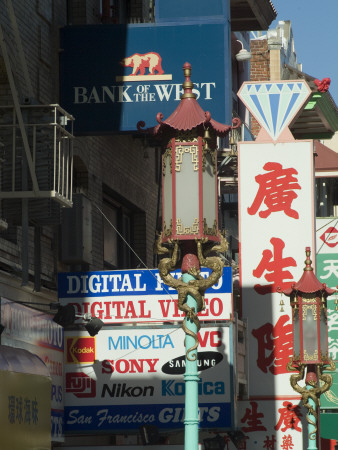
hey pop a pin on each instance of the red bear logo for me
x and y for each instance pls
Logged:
(139, 63)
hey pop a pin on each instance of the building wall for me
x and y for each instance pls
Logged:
(120, 163)
(259, 69)
(270, 53)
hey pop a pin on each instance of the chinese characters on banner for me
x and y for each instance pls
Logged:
(276, 185)
(327, 272)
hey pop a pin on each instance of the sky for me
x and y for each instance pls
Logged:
(315, 30)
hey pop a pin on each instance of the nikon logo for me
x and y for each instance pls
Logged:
(122, 390)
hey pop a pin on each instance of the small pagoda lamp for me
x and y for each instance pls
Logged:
(308, 300)
(189, 169)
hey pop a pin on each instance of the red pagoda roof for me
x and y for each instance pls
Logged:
(308, 282)
(189, 114)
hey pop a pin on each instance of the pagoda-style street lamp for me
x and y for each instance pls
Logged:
(308, 299)
(190, 222)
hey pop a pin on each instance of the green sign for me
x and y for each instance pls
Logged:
(327, 272)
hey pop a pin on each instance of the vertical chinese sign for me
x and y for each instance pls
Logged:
(276, 221)
(327, 272)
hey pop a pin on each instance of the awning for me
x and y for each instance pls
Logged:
(251, 15)
(319, 117)
(326, 161)
(18, 360)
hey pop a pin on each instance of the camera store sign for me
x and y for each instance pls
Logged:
(127, 378)
(138, 296)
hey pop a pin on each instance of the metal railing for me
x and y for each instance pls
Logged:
(36, 159)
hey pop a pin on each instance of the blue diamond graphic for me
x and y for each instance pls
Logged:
(274, 104)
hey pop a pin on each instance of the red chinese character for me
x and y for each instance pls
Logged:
(276, 190)
(287, 442)
(274, 263)
(289, 416)
(278, 341)
(252, 417)
(269, 443)
(242, 444)
(226, 441)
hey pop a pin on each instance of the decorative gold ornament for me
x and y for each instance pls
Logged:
(316, 390)
(209, 231)
(187, 136)
(167, 155)
(312, 357)
(305, 309)
(180, 150)
(168, 231)
(196, 288)
(281, 304)
(181, 231)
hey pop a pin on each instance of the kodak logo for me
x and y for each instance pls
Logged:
(80, 350)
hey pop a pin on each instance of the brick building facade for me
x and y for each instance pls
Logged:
(118, 173)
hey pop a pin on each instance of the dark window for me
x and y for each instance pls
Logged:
(123, 234)
(326, 197)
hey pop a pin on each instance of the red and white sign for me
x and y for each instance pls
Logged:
(139, 296)
(145, 366)
(272, 424)
(276, 185)
(330, 237)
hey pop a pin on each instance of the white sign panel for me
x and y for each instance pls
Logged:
(138, 296)
(276, 186)
(126, 377)
(273, 424)
(36, 332)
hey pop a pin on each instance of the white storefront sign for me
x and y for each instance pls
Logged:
(127, 377)
(138, 296)
(277, 222)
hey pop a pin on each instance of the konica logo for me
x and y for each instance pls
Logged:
(173, 388)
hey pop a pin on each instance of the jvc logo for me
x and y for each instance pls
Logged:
(173, 388)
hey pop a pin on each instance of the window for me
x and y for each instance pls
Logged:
(326, 197)
(123, 233)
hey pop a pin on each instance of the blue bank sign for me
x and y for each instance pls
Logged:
(113, 76)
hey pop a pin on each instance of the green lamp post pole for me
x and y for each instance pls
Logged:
(190, 222)
(191, 378)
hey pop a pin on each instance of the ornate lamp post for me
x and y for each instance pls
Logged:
(190, 222)
(308, 299)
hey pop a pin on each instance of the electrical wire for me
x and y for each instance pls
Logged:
(145, 266)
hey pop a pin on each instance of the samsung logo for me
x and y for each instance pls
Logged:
(205, 361)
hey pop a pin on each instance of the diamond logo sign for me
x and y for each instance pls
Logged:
(330, 237)
(274, 105)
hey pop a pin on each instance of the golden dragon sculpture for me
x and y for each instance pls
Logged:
(317, 389)
(197, 287)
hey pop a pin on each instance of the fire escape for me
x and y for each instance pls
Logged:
(36, 150)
